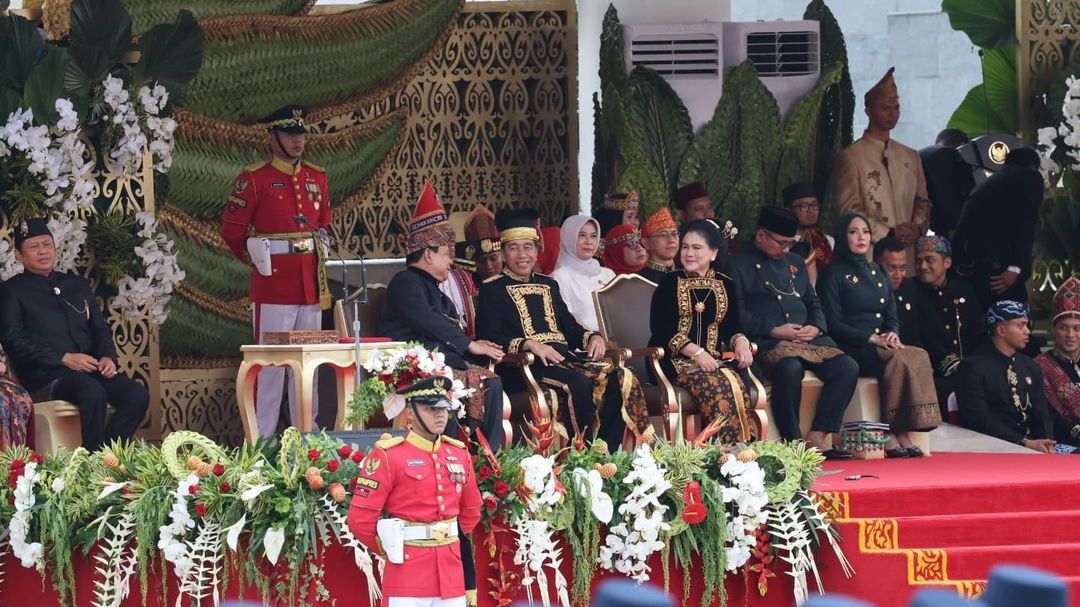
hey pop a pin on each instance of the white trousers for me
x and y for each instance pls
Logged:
(424, 601)
(281, 317)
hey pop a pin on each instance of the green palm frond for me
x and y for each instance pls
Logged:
(209, 270)
(147, 13)
(254, 64)
(803, 132)
(192, 331)
(203, 172)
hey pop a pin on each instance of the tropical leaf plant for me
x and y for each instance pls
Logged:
(21, 48)
(171, 54)
(658, 120)
(803, 133)
(992, 106)
(988, 23)
(45, 85)
(100, 35)
(838, 108)
(194, 331)
(612, 63)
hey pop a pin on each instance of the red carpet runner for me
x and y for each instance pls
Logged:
(944, 521)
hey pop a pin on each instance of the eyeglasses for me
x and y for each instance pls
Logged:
(634, 245)
(783, 244)
(806, 206)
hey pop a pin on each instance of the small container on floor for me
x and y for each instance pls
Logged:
(864, 440)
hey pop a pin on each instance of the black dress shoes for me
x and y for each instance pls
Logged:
(835, 453)
(914, 451)
(897, 452)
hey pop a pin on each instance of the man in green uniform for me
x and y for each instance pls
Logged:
(781, 312)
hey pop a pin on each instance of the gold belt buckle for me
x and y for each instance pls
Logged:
(440, 531)
(301, 245)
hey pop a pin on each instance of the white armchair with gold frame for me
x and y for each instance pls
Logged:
(622, 308)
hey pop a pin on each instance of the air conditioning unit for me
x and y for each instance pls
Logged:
(786, 54)
(688, 56)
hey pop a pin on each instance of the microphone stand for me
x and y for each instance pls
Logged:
(318, 234)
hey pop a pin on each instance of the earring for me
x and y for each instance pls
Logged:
(712, 260)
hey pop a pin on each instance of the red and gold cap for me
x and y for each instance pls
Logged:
(429, 226)
(660, 220)
(1067, 300)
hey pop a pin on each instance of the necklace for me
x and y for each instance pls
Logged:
(699, 309)
(83, 311)
(1020, 406)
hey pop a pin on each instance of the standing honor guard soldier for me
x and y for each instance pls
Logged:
(273, 209)
(425, 486)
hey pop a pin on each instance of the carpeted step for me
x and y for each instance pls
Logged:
(997, 528)
(974, 562)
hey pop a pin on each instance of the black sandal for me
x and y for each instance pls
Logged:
(897, 452)
(914, 451)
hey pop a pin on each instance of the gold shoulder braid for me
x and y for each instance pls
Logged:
(519, 294)
(691, 295)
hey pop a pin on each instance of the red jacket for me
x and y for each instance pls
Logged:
(266, 197)
(410, 478)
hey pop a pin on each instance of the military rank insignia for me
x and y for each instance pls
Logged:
(371, 464)
(241, 185)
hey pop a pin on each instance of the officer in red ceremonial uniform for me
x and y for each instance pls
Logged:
(273, 209)
(424, 485)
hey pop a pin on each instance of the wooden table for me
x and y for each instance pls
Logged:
(303, 359)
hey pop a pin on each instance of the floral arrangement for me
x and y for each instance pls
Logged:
(263, 512)
(390, 370)
(161, 274)
(46, 170)
(132, 128)
(707, 508)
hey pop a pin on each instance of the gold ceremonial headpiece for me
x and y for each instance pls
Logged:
(884, 89)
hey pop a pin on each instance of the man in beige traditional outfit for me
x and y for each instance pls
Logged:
(882, 178)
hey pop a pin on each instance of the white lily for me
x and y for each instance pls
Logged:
(254, 492)
(232, 536)
(272, 543)
(112, 488)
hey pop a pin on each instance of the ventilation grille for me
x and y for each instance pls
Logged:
(675, 55)
(779, 54)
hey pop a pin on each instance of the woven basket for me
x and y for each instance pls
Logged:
(864, 440)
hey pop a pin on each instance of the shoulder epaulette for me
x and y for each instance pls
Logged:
(314, 166)
(256, 166)
(453, 441)
(492, 278)
(388, 443)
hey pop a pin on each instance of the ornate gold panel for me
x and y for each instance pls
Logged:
(1049, 40)
(203, 400)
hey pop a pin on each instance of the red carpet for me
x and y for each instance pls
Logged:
(944, 521)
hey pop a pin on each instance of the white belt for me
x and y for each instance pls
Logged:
(294, 245)
(436, 531)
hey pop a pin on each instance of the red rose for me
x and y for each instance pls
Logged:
(344, 451)
(37, 458)
(501, 488)
(313, 454)
(357, 456)
(224, 487)
(332, 465)
(17, 464)
(490, 503)
(219, 469)
(192, 489)
(483, 473)
(200, 509)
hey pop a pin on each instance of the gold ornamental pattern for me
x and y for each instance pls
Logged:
(491, 120)
(1049, 41)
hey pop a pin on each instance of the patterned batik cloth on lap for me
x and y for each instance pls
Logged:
(908, 397)
(720, 394)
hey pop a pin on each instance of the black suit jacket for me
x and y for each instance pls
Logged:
(416, 310)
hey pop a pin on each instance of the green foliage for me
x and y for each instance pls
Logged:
(1060, 225)
(802, 134)
(171, 54)
(147, 13)
(246, 79)
(206, 170)
(22, 196)
(209, 270)
(658, 120)
(992, 106)
(838, 107)
(113, 238)
(988, 23)
(21, 48)
(192, 331)
(612, 65)
(101, 34)
(46, 84)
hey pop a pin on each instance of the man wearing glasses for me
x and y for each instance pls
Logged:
(780, 311)
(660, 237)
(814, 245)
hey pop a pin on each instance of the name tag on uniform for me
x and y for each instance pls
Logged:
(370, 483)
(415, 462)
(277, 184)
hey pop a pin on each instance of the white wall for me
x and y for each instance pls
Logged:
(935, 65)
(590, 24)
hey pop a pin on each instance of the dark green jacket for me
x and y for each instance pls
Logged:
(858, 301)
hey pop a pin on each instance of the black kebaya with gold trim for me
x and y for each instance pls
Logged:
(702, 310)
